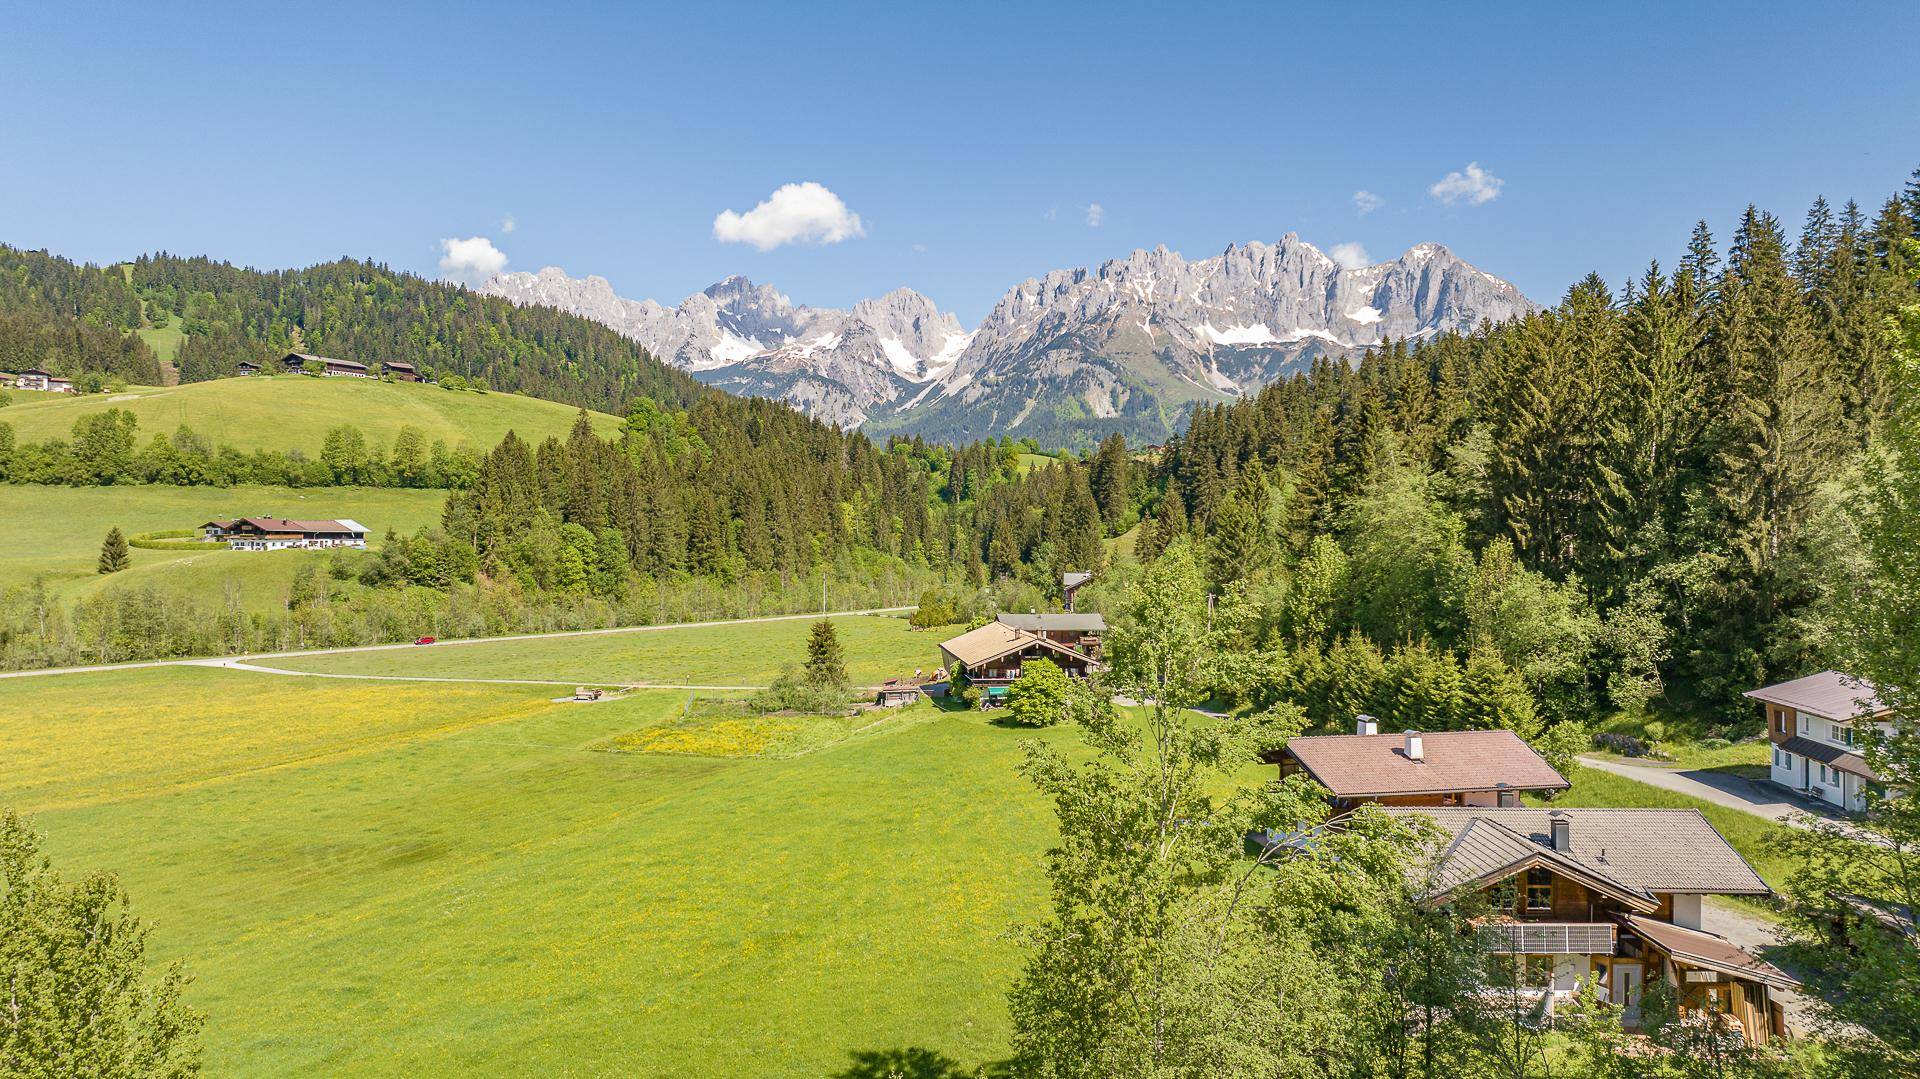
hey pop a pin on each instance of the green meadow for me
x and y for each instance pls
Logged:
(876, 647)
(388, 878)
(54, 533)
(288, 412)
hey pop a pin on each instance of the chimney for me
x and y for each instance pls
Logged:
(1415, 752)
(1561, 828)
(1366, 724)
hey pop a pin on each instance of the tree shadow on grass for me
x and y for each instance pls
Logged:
(916, 1062)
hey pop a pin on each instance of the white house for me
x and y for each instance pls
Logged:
(1814, 724)
(277, 534)
(33, 378)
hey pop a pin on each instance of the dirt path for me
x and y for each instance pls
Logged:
(214, 661)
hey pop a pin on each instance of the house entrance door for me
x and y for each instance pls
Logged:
(1626, 989)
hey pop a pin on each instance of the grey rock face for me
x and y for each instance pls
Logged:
(1129, 346)
(750, 339)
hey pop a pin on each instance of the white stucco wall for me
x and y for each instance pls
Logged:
(1686, 910)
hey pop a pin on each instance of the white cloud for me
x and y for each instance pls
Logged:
(1052, 212)
(796, 213)
(509, 224)
(1096, 213)
(1474, 186)
(1351, 256)
(919, 249)
(1366, 202)
(471, 260)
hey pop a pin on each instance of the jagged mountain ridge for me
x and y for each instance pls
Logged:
(750, 339)
(1131, 345)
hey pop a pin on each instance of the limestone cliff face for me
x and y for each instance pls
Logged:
(1131, 345)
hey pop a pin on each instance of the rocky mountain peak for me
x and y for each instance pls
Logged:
(1128, 345)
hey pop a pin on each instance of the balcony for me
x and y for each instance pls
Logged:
(1549, 938)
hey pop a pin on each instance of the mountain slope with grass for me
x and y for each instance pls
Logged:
(294, 412)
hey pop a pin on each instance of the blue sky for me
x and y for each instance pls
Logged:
(970, 142)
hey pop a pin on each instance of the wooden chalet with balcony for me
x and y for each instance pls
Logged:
(991, 657)
(277, 534)
(1610, 897)
(1080, 632)
(296, 362)
(34, 378)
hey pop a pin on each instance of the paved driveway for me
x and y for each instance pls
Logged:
(1727, 789)
(1757, 936)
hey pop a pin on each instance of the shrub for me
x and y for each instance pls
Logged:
(936, 609)
(793, 692)
(1624, 744)
(1561, 743)
(1038, 698)
(173, 539)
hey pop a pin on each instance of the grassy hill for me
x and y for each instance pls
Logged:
(54, 534)
(288, 412)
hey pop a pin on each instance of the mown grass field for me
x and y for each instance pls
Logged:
(876, 647)
(55, 533)
(387, 879)
(287, 412)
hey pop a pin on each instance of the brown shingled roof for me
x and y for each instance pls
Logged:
(997, 639)
(1831, 755)
(1697, 948)
(1653, 850)
(1377, 766)
(1830, 694)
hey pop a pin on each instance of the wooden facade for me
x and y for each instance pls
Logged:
(1566, 934)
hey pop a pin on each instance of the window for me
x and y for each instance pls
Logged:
(1843, 735)
(1501, 896)
(1823, 774)
(1539, 889)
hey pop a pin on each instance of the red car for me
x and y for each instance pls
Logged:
(424, 640)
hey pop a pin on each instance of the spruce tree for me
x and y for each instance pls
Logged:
(114, 556)
(1113, 483)
(825, 664)
(1775, 442)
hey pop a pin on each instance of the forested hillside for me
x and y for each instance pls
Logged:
(70, 319)
(75, 319)
(1638, 489)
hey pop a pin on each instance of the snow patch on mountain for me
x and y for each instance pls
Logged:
(1129, 345)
